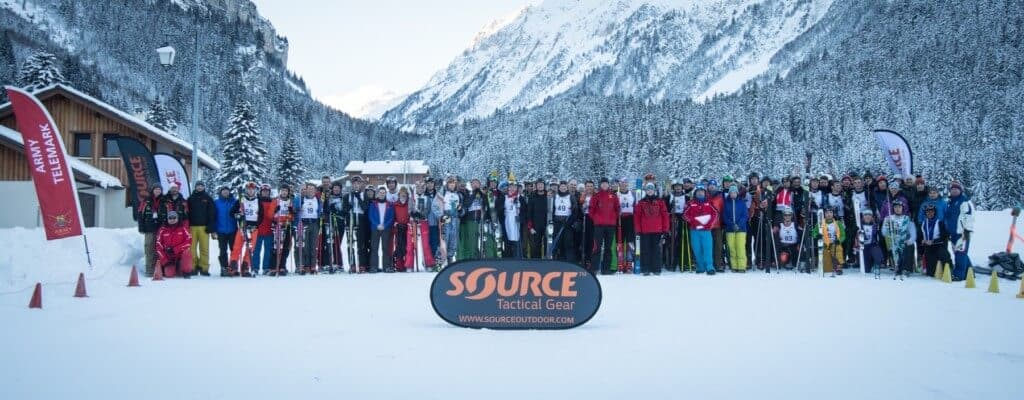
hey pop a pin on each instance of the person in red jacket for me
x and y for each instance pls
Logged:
(604, 212)
(701, 216)
(264, 234)
(173, 247)
(401, 229)
(651, 223)
(717, 200)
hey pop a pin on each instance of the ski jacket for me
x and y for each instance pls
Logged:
(701, 215)
(917, 198)
(899, 229)
(717, 201)
(376, 219)
(836, 231)
(867, 235)
(604, 208)
(225, 223)
(878, 199)
(268, 207)
(734, 215)
(935, 230)
(172, 241)
(887, 206)
(149, 216)
(176, 204)
(960, 215)
(940, 208)
(537, 212)
(502, 203)
(201, 210)
(401, 212)
(651, 216)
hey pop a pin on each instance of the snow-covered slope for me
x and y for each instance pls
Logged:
(730, 336)
(650, 49)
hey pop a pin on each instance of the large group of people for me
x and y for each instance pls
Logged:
(806, 223)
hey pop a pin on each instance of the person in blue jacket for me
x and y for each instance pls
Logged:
(225, 225)
(734, 221)
(934, 199)
(959, 220)
(382, 221)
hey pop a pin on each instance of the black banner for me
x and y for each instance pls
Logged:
(515, 294)
(141, 167)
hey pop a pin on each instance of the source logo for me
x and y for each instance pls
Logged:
(515, 294)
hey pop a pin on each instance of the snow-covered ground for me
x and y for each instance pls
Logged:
(375, 336)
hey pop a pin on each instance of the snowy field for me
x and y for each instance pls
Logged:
(779, 336)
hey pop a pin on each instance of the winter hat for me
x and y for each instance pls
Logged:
(712, 182)
(727, 178)
(956, 185)
(919, 180)
(734, 189)
(688, 180)
(172, 214)
(867, 211)
(200, 183)
(650, 186)
(603, 180)
(882, 178)
(700, 188)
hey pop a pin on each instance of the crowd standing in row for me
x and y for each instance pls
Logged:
(807, 224)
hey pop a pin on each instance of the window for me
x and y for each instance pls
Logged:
(83, 145)
(110, 149)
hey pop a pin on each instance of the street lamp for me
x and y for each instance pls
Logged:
(167, 55)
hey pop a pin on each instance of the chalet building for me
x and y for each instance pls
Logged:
(89, 128)
(376, 172)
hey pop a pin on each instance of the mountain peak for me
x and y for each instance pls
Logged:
(648, 49)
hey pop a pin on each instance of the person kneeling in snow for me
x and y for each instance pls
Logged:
(173, 247)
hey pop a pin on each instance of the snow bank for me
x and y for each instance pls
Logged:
(26, 257)
(778, 336)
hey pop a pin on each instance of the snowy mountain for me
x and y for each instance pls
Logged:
(368, 102)
(241, 58)
(645, 49)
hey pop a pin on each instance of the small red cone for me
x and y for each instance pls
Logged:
(158, 273)
(133, 280)
(37, 297)
(80, 287)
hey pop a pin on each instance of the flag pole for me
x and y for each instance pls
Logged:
(88, 256)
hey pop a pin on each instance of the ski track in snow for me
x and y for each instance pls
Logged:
(779, 336)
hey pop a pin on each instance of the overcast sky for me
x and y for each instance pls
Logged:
(349, 51)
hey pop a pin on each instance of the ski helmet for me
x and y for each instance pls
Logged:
(867, 211)
(250, 185)
(929, 207)
(787, 211)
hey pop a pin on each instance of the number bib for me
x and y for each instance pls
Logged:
(563, 206)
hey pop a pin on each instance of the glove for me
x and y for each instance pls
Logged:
(664, 239)
(533, 231)
(213, 235)
(961, 245)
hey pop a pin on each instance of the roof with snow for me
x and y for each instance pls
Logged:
(393, 167)
(82, 169)
(114, 113)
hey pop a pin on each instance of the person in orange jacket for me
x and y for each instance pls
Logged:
(651, 223)
(173, 247)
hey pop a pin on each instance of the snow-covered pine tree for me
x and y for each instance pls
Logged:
(244, 156)
(290, 169)
(161, 116)
(39, 71)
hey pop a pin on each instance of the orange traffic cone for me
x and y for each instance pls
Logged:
(80, 287)
(133, 280)
(37, 297)
(158, 273)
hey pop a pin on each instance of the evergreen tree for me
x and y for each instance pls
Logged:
(290, 169)
(160, 116)
(39, 71)
(244, 156)
(8, 65)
